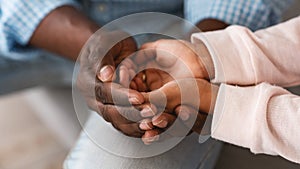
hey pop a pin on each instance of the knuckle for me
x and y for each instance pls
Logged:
(105, 113)
(133, 114)
(101, 93)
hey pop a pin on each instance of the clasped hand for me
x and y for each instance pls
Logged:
(169, 70)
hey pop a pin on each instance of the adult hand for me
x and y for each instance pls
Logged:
(98, 60)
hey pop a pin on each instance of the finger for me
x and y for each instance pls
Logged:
(107, 68)
(158, 134)
(127, 71)
(185, 113)
(112, 93)
(124, 76)
(133, 85)
(173, 128)
(163, 120)
(140, 83)
(191, 117)
(148, 110)
(128, 48)
(118, 114)
(134, 114)
(123, 119)
(146, 124)
(182, 91)
(129, 63)
(156, 97)
(154, 78)
(151, 136)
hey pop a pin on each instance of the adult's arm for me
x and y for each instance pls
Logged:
(59, 27)
(64, 31)
(19, 20)
(217, 14)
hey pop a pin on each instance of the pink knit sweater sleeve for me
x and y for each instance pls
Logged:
(242, 57)
(264, 117)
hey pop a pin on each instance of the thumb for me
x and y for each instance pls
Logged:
(106, 73)
(156, 97)
(107, 68)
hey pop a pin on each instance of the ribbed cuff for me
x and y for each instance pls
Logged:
(233, 118)
(229, 65)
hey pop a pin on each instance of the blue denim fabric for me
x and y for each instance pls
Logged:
(48, 70)
(35, 67)
(188, 154)
(104, 11)
(19, 18)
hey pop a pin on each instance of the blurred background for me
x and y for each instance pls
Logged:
(38, 127)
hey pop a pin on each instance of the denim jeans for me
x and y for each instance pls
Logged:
(188, 154)
(47, 69)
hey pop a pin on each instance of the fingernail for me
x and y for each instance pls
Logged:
(155, 138)
(147, 112)
(134, 100)
(161, 123)
(146, 143)
(184, 116)
(145, 126)
(106, 73)
(152, 139)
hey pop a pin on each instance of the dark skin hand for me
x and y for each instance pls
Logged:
(64, 31)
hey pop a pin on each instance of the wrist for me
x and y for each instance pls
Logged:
(214, 93)
(208, 96)
(205, 61)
